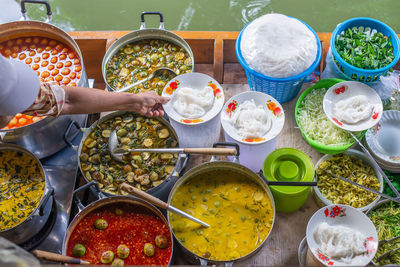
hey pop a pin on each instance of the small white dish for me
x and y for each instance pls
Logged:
(302, 253)
(384, 138)
(349, 217)
(196, 81)
(270, 105)
(344, 90)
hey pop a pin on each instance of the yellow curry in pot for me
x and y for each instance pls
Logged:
(21, 187)
(238, 211)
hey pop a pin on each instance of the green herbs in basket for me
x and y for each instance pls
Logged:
(364, 50)
(386, 219)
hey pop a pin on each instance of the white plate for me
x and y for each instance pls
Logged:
(345, 216)
(384, 138)
(344, 90)
(270, 105)
(196, 81)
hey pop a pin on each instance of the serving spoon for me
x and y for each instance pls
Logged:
(117, 152)
(157, 72)
(45, 255)
(159, 203)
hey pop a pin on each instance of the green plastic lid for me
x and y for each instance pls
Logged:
(288, 164)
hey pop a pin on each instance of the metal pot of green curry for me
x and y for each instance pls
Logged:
(136, 55)
(25, 194)
(154, 173)
(234, 201)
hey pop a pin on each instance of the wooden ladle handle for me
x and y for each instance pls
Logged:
(45, 255)
(143, 195)
(217, 151)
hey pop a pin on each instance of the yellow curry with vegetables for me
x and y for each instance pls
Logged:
(21, 187)
(238, 211)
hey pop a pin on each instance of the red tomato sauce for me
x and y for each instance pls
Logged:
(134, 228)
(51, 59)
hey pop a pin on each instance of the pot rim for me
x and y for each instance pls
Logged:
(46, 190)
(120, 113)
(138, 35)
(42, 30)
(226, 164)
(109, 201)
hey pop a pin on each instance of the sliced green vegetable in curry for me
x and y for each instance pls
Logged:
(136, 61)
(142, 170)
(21, 187)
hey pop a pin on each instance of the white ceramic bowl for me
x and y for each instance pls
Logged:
(360, 155)
(345, 216)
(344, 90)
(384, 139)
(199, 132)
(253, 151)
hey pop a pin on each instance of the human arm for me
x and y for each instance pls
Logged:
(87, 100)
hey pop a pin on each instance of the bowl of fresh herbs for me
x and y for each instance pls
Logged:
(364, 49)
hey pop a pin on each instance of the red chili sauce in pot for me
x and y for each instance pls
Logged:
(128, 225)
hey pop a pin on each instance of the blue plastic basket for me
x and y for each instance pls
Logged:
(282, 89)
(362, 75)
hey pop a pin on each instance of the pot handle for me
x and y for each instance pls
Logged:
(84, 187)
(45, 199)
(286, 183)
(43, 2)
(143, 23)
(236, 146)
(67, 132)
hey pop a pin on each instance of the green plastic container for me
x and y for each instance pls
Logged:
(289, 164)
(325, 149)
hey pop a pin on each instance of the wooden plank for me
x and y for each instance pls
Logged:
(218, 60)
(93, 52)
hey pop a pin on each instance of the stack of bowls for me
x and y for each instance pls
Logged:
(383, 141)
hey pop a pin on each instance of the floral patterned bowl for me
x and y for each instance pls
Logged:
(253, 151)
(347, 216)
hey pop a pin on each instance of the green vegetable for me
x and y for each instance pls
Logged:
(161, 241)
(100, 224)
(78, 250)
(360, 49)
(148, 250)
(395, 179)
(107, 257)
(123, 251)
(386, 219)
(118, 262)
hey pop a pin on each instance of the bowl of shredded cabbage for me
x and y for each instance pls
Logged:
(340, 235)
(316, 128)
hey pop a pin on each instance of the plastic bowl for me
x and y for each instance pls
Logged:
(325, 149)
(358, 74)
(323, 201)
(282, 89)
(347, 216)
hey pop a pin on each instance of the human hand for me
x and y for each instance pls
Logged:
(150, 104)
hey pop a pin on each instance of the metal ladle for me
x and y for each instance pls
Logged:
(159, 203)
(117, 152)
(157, 72)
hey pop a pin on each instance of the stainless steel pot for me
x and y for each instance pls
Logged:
(161, 191)
(37, 219)
(228, 168)
(44, 137)
(105, 201)
(143, 34)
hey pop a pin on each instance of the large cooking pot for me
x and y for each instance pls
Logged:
(161, 191)
(143, 34)
(44, 137)
(104, 201)
(227, 168)
(37, 219)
